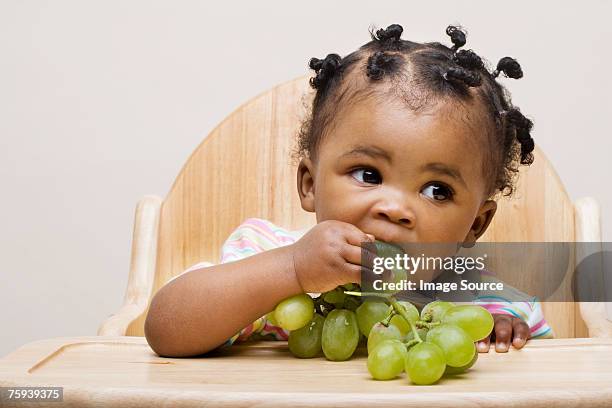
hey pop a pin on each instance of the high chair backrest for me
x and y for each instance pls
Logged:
(244, 169)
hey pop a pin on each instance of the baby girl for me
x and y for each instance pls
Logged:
(405, 142)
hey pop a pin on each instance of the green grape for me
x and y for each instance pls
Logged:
(305, 342)
(456, 344)
(271, 319)
(400, 322)
(437, 309)
(387, 359)
(395, 275)
(369, 313)
(425, 363)
(458, 370)
(381, 332)
(474, 319)
(422, 334)
(294, 312)
(387, 250)
(411, 310)
(340, 335)
(335, 297)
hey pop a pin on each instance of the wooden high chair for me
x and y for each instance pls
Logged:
(244, 169)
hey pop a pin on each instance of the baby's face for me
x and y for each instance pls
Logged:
(399, 175)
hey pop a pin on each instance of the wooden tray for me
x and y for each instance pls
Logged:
(124, 371)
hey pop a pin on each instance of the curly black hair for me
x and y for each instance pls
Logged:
(422, 74)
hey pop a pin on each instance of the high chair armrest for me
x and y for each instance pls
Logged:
(596, 315)
(142, 268)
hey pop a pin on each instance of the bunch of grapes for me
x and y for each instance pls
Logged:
(439, 340)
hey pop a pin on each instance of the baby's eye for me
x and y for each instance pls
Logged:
(439, 190)
(370, 176)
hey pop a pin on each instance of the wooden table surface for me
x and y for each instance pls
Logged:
(124, 371)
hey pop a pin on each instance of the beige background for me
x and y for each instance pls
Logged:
(102, 102)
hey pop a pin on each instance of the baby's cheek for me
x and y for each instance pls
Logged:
(340, 206)
(433, 228)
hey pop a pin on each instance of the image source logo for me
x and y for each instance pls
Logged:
(514, 271)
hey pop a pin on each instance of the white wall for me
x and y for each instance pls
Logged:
(102, 102)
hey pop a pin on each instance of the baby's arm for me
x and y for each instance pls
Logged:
(201, 309)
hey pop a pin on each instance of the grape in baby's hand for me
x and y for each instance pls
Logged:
(328, 255)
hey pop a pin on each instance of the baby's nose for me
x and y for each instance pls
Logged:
(394, 211)
(395, 218)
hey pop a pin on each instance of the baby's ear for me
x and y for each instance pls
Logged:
(481, 223)
(305, 184)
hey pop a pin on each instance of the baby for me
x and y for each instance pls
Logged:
(405, 142)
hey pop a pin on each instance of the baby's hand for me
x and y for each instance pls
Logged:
(329, 255)
(507, 329)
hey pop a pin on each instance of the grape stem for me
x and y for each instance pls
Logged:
(375, 294)
(427, 325)
(397, 306)
(411, 343)
(387, 320)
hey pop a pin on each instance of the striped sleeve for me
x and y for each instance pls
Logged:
(253, 236)
(528, 311)
(513, 302)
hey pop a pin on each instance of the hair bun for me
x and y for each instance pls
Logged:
(522, 126)
(457, 36)
(462, 76)
(379, 63)
(510, 67)
(394, 31)
(324, 68)
(315, 63)
(468, 59)
(518, 120)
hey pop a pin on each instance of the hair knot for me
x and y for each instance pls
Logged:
(457, 36)
(325, 69)
(393, 32)
(522, 127)
(379, 63)
(468, 59)
(510, 67)
(462, 76)
(518, 120)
